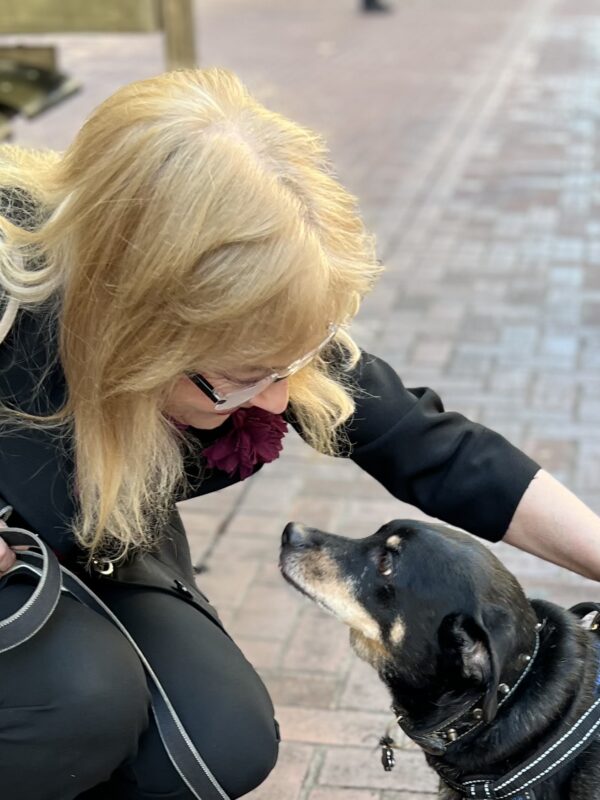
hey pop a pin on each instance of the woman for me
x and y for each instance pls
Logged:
(178, 285)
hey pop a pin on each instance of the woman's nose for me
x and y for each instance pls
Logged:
(274, 399)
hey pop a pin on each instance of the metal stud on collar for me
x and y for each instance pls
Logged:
(528, 660)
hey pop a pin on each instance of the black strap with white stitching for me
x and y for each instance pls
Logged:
(517, 784)
(34, 614)
(52, 579)
(545, 764)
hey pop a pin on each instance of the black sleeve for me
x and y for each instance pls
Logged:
(439, 461)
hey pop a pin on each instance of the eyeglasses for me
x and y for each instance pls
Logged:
(233, 399)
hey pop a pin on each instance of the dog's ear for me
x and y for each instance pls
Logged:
(498, 626)
(466, 642)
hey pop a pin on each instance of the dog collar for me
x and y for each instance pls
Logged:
(517, 784)
(565, 746)
(466, 721)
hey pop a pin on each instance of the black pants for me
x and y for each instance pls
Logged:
(75, 720)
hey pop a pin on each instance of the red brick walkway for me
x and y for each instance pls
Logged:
(469, 132)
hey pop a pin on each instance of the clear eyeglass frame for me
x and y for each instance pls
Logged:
(237, 398)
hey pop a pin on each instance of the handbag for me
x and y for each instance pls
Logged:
(51, 580)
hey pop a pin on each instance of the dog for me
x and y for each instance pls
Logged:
(500, 692)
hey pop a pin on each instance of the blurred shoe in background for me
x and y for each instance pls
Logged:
(375, 5)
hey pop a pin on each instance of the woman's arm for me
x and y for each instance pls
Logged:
(466, 474)
(439, 461)
(552, 523)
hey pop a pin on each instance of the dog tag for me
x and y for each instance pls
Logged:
(388, 759)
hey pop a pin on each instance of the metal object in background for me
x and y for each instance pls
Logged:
(29, 88)
(29, 83)
(174, 17)
(29, 79)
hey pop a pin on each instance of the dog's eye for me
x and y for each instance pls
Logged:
(386, 564)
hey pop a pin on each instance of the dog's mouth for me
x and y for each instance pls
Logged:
(292, 574)
(332, 593)
(293, 581)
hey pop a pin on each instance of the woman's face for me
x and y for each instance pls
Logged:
(189, 405)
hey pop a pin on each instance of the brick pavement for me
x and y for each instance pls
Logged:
(468, 130)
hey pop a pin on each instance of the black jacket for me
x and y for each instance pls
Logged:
(449, 467)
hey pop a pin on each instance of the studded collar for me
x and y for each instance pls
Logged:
(520, 783)
(467, 720)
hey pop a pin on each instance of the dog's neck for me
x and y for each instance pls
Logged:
(469, 718)
(544, 700)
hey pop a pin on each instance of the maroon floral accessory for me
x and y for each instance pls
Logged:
(255, 438)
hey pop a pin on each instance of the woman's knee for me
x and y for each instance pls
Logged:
(231, 725)
(221, 700)
(78, 690)
(244, 730)
(260, 746)
(104, 697)
(105, 690)
(239, 760)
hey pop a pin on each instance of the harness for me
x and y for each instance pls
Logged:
(543, 764)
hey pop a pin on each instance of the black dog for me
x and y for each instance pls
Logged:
(500, 692)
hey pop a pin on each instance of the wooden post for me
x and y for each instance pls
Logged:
(178, 25)
(5, 130)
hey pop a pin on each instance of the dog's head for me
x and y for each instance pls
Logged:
(431, 608)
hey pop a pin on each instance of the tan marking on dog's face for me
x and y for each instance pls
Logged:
(398, 631)
(393, 542)
(318, 574)
(373, 652)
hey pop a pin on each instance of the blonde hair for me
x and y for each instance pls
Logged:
(186, 227)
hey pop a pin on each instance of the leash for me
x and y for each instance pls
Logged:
(52, 579)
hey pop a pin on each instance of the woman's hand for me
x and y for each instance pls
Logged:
(7, 554)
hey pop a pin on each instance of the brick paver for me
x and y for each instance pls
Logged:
(469, 132)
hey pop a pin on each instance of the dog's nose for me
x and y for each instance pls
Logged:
(294, 534)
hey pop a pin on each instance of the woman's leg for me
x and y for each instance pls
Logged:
(73, 702)
(220, 699)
